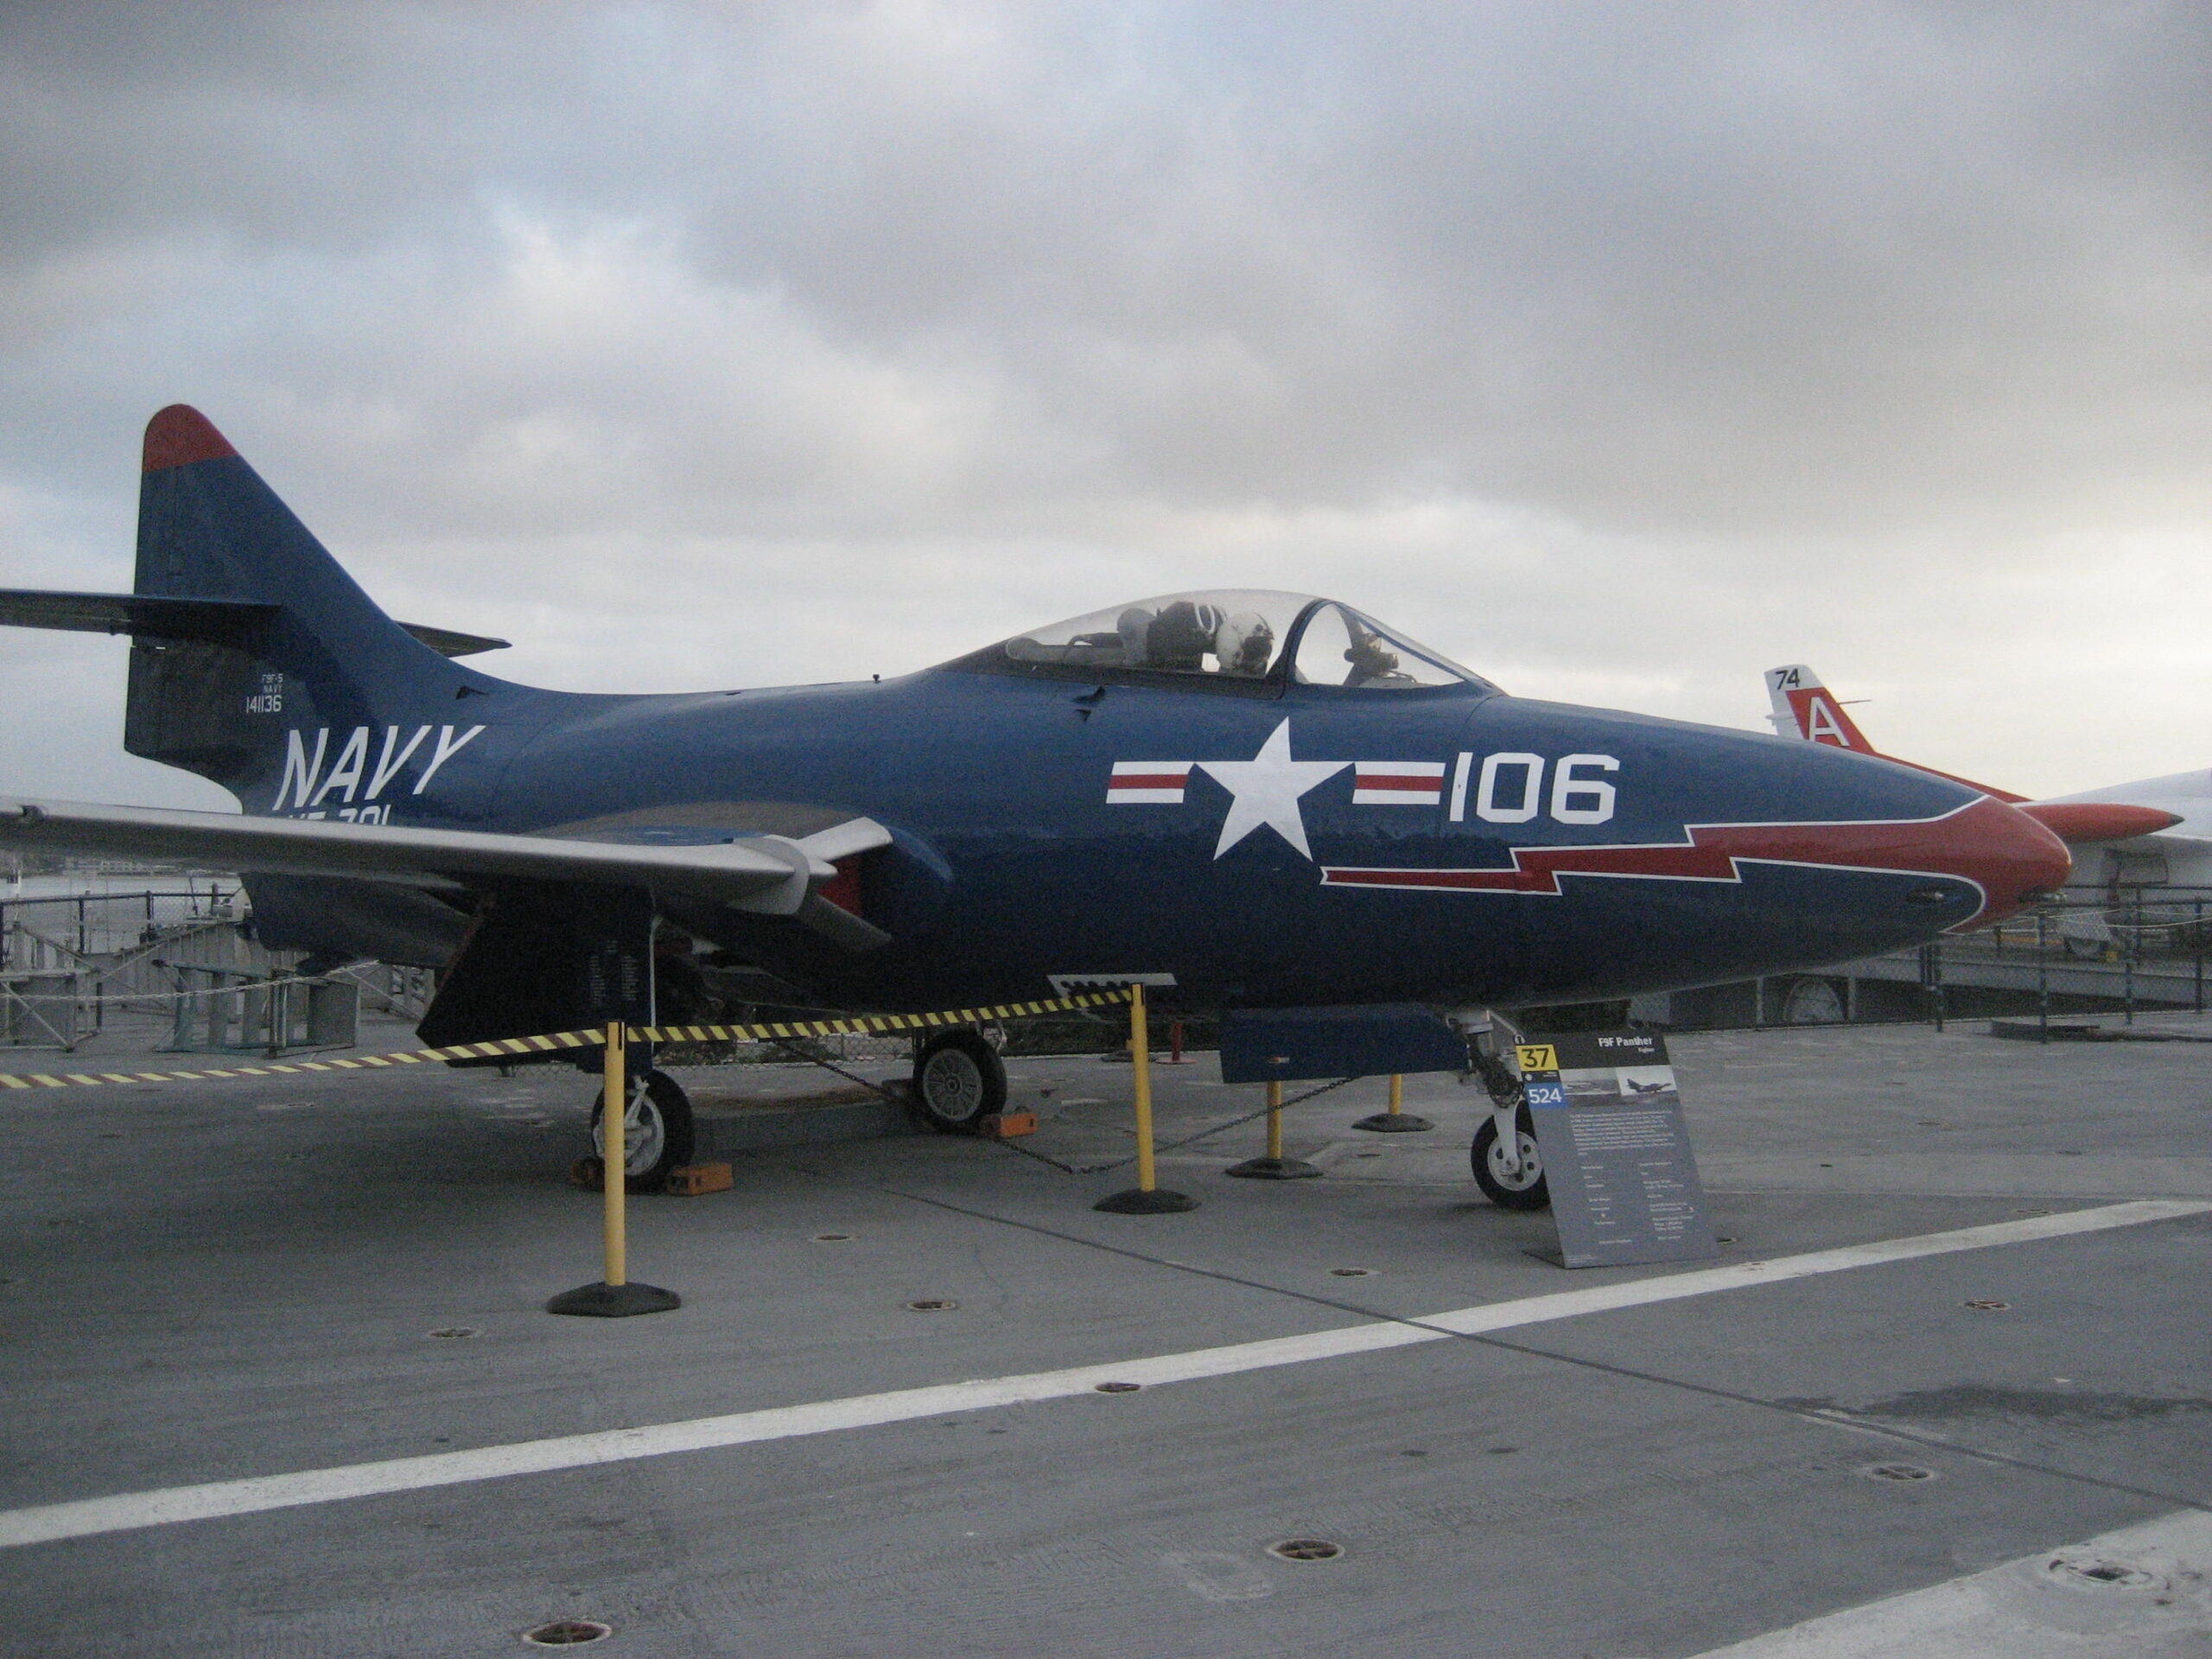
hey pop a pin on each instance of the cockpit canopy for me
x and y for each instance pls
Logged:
(1248, 639)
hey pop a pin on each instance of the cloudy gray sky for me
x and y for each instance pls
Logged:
(1621, 350)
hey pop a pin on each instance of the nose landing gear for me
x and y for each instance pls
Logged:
(1508, 1165)
(1514, 1182)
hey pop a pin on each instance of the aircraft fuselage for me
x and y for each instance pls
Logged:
(1460, 845)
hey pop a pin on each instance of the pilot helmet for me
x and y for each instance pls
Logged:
(1243, 644)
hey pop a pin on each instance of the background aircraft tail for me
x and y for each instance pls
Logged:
(257, 661)
(1804, 707)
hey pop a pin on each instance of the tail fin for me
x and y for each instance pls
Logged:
(323, 659)
(1805, 707)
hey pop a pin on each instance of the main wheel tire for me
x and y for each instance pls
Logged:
(657, 1130)
(1525, 1190)
(1813, 1002)
(959, 1081)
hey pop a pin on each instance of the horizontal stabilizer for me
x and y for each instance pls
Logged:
(447, 643)
(216, 621)
(772, 875)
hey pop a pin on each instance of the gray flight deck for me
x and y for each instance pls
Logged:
(209, 1282)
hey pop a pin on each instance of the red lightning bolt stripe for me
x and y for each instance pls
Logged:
(1712, 852)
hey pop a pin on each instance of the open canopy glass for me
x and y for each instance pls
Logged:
(1248, 635)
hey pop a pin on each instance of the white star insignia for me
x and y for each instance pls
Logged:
(1265, 789)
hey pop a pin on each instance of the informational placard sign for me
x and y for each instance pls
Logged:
(1616, 1155)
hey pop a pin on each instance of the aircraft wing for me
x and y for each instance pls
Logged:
(2186, 795)
(772, 876)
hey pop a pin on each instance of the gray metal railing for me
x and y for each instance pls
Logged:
(2126, 952)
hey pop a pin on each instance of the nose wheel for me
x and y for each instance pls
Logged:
(1518, 1185)
(657, 1131)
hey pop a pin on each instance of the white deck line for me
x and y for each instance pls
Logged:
(129, 1511)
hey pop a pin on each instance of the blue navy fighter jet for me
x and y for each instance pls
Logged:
(1243, 800)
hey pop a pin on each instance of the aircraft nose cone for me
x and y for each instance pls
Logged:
(2015, 861)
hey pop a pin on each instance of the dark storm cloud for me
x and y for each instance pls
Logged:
(1588, 339)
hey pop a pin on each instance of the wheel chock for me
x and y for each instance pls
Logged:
(1005, 1125)
(690, 1181)
(588, 1173)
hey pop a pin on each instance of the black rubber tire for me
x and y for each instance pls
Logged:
(1812, 1001)
(959, 1081)
(1536, 1195)
(668, 1109)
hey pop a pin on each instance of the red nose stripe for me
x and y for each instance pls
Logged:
(1985, 843)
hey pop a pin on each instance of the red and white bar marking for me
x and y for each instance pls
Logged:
(1148, 783)
(1397, 783)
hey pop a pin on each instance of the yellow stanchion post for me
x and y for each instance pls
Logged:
(615, 1297)
(1140, 1076)
(1397, 1120)
(1147, 1198)
(1274, 1167)
(614, 1157)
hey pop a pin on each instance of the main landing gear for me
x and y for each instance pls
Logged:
(657, 1130)
(959, 1081)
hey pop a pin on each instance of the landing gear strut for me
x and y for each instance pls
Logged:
(1508, 1167)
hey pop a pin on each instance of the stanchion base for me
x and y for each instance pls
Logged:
(1274, 1169)
(605, 1301)
(1392, 1124)
(1137, 1202)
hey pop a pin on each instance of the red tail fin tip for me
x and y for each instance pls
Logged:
(181, 434)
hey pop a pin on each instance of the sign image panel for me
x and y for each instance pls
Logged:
(1608, 1121)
